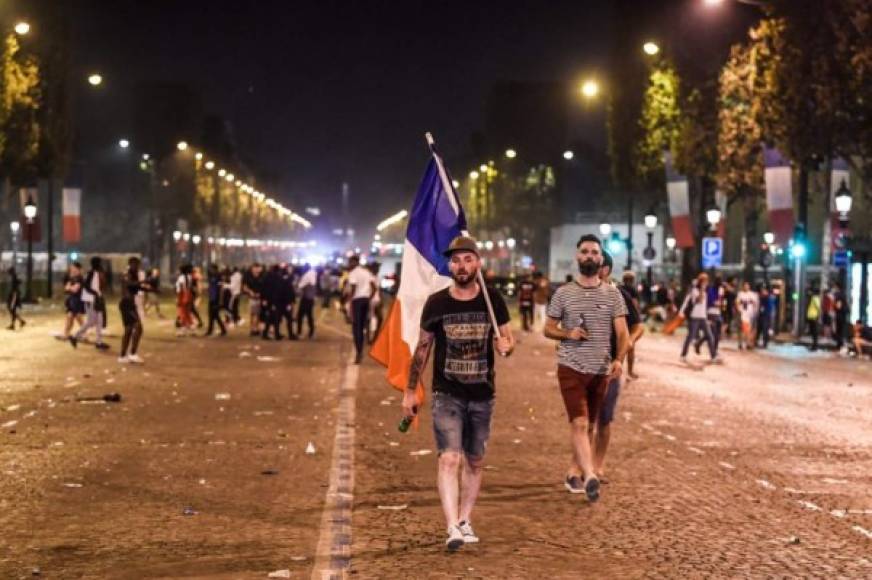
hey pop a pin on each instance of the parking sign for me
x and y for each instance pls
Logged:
(712, 253)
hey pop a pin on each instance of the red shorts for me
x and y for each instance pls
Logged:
(583, 393)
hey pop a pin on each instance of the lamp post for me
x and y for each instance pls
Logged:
(14, 227)
(713, 217)
(843, 200)
(766, 255)
(650, 253)
(29, 214)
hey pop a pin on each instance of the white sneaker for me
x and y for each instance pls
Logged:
(455, 539)
(469, 536)
(124, 359)
(135, 359)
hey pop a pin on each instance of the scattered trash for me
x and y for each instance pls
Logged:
(765, 484)
(393, 507)
(8, 424)
(520, 428)
(863, 531)
(516, 441)
(202, 482)
(189, 511)
(838, 513)
(244, 354)
(72, 384)
(726, 465)
(298, 558)
(809, 505)
(107, 398)
(310, 448)
(222, 396)
(393, 444)
(793, 540)
(110, 380)
(280, 574)
(268, 358)
(832, 481)
(270, 472)
(73, 485)
(421, 452)
(261, 413)
(57, 444)
(551, 374)
(11, 408)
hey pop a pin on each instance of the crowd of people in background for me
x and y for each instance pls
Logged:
(281, 301)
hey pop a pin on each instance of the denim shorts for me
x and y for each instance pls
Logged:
(461, 425)
(607, 412)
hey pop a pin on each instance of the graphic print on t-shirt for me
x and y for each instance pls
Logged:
(466, 347)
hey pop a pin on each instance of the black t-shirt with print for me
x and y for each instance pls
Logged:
(464, 362)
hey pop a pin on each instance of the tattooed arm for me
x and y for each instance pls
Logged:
(419, 361)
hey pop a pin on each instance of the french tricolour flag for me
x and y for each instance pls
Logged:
(779, 194)
(436, 219)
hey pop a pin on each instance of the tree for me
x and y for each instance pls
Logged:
(19, 104)
(659, 122)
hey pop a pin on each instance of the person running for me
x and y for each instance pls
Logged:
(184, 301)
(73, 306)
(607, 413)
(525, 302)
(95, 304)
(582, 315)
(215, 291)
(747, 306)
(695, 309)
(360, 288)
(457, 322)
(714, 312)
(13, 299)
(132, 285)
(307, 287)
(252, 285)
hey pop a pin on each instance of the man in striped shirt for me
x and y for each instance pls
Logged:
(582, 315)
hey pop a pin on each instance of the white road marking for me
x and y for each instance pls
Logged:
(333, 554)
(809, 505)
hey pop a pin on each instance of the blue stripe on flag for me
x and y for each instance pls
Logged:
(433, 223)
(772, 157)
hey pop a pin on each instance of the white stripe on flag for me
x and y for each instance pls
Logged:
(72, 201)
(419, 279)
(779, 189)
(678, 199)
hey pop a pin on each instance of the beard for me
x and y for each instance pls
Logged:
(588, 267)
(463, 278)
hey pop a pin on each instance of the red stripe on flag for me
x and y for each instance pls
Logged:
(72, 228)
(683, 231)
(781, 224)
(390, 350)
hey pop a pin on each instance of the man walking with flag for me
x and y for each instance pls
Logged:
(455, 320)
(465, 323)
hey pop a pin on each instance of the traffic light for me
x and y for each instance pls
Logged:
(615, 244)
(798, 249)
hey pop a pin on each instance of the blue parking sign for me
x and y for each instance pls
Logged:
(712, 253)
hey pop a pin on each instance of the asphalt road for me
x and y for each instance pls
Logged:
(761, 467)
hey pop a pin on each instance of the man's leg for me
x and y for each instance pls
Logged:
(604, 422)
(476, 433)
(692, 330)
(447, 413)
(470, 486)
(449, 485)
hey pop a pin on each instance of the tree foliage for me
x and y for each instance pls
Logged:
(19, 105)
(660, 123)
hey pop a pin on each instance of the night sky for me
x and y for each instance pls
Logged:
(324, 92)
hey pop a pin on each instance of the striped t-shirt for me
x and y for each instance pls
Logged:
(595, 308)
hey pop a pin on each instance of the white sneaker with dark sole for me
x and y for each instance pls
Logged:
(455, 539)
(469, 536)
(573, 484)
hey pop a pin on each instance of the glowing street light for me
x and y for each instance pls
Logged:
(650, 48)
(177, 235)
(482, 167)
(671, 242)
(713, 216)
(712, 2)
(473, 174)
(182, 145)
(22, 28)
(590, 89)
(123, 143)
(455, 184)
(210, 165)
(651, 221)
(568, 155)
(511, 153)
(95, 79)
(769, 238)
(605, 229)
(222, 172)
(198, 156)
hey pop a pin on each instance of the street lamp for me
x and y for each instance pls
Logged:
(15, 227)
(473, 175)
(650, 48)
(843, 201)
(650, 253)
(95, 79)
(769, 238)
(590, 89)
(210, 165)
(511, 153)
(671, 243)
(713, 216)
(30, 215)
(605, 229)
(568, 155)
(123, 143)
(22, 28)
(182, 145)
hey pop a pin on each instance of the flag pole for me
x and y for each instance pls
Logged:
(449, 187)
